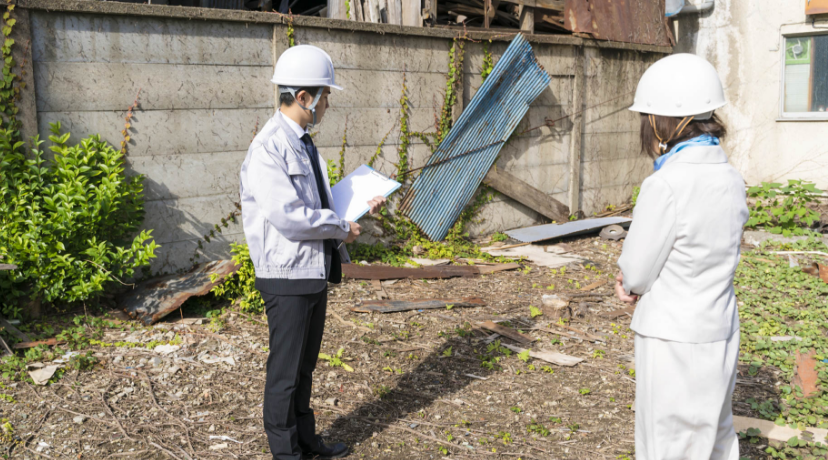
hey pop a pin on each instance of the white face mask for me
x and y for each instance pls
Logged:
(292, 91)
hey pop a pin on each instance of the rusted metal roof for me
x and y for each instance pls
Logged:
(156, 298)
(629, 21)
(440, 193)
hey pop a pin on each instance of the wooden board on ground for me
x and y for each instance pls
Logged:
(489, 269)
(50, 342)
(376, 285)
(14, 331)
(384, 272)
(594, 285)
(618, 313)
(548, 356)
(507, 332)
(392, 306)
(774, 432)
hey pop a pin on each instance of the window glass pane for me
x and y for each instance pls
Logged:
(819, 97)
(797, 74)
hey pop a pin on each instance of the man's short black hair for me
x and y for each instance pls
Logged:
(287, 99)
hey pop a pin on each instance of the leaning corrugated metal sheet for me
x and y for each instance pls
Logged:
(440, 193)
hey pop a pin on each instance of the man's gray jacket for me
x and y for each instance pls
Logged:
(282, 217)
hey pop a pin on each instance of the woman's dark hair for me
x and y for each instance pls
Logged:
(287, 99)
(666, 126)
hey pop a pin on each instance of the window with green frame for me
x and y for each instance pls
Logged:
(806, 75)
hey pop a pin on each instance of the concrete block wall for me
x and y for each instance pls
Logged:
(611, 161)
(204, 89)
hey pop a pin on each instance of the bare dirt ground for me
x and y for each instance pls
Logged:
(419, 388)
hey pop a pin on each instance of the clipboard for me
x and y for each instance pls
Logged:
(352, 193)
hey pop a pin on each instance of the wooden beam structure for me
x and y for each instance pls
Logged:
(518, 190)
(577, 133)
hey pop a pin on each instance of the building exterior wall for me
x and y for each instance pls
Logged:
(744, 41)
(204, 90)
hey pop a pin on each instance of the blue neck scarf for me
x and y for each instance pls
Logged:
(703, 140)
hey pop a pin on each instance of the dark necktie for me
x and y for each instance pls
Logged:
(335, 274)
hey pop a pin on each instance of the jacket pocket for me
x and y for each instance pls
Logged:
(300, 176)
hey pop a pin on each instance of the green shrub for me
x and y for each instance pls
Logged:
(69, 223)
(783, 209)
(242, 284)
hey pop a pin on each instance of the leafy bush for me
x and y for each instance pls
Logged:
(636, 191)
(242, 284)
(783, 209)
(68, 224)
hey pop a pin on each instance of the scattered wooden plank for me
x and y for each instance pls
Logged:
(510, 246)
(594, 285)
(549, 356)
(50, 342)
(507, 332)
(509, 185)
(14, 331)
(618, 313)
(582, 335)
(392, 306)
(5, 347)
(377, 286)
(489, 269)
(774, 432)
(384, 272)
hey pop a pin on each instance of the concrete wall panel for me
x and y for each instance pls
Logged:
(171, 176)
(88, 86)
(132, 39)
(369, 51)
(157, 132)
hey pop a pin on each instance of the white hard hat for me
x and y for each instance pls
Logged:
(304, 66)
(680, 85)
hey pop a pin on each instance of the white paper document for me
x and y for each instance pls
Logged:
(352, 194)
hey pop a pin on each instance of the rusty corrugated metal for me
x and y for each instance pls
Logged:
(440, 193)
(156, 298)
(629, 21)
(816, 7)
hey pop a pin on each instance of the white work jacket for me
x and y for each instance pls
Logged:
(683, 248)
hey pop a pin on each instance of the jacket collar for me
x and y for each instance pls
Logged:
(699, 155)
(295, 143)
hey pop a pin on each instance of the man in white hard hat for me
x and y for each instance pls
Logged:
(680, 257)
(296, 246)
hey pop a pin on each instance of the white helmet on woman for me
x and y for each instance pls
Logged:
(304, 66)
(680, 85)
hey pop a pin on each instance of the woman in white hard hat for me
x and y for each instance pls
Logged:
(295, 241)
(680, 257)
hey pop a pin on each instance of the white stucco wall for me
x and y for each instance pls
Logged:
(743, 39)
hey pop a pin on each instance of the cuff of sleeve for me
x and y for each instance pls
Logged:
(343, 228)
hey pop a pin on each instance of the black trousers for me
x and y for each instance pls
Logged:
(296, 325)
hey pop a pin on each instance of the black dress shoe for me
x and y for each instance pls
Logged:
(321, 450)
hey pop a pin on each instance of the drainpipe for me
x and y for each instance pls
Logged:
(698, 8)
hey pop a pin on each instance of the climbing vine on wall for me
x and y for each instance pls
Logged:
(12, 83)
(488, 61)
(290, 32)
(453, 83)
